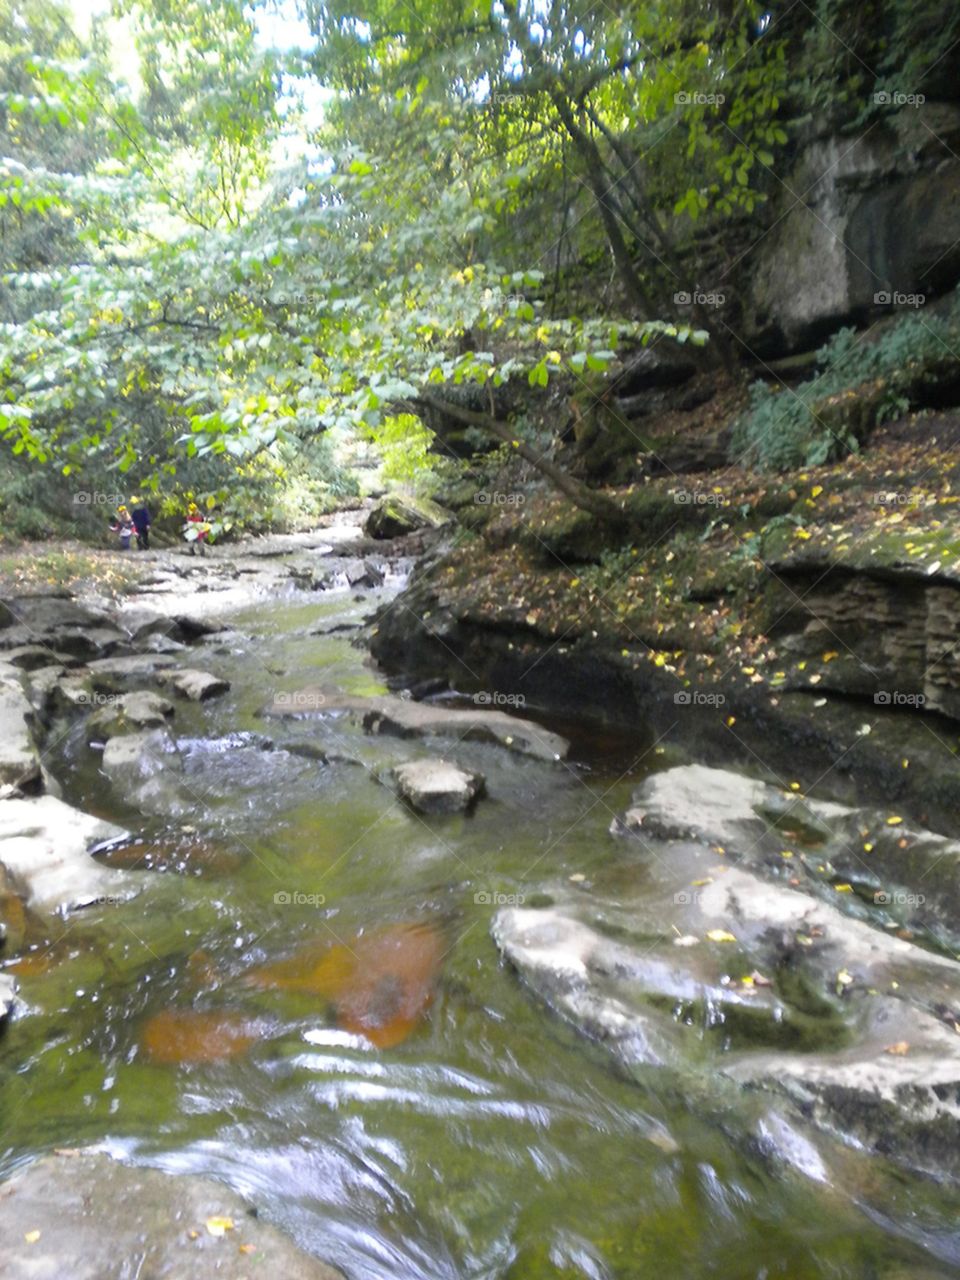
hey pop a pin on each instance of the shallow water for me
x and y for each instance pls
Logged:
(482, 1137)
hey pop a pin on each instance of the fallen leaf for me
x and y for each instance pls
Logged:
(720, 935)
(900, 1048)
(894, 821)
(219, 1226)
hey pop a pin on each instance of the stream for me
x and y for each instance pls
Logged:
(483, 1138)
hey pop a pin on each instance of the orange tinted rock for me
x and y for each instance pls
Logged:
(187, 1035)
(381, 983)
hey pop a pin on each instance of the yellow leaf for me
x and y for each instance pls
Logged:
(816, 491)
(786, 853)
(894, 820)
(830, 655)
(900, 1048)
(219, 1226)
(720, 935)
(32, 1237)
(844, 888)
(868, 847)
(731, 721)
(248, 1248)
(794, 786)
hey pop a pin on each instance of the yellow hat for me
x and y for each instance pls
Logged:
(121, 507)
(191, 506)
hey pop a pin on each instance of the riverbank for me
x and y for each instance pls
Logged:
(803, 625)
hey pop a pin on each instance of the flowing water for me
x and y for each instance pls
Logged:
(307, 1005)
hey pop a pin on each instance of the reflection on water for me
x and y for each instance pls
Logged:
(359, 1062)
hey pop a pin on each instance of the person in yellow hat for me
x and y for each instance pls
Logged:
(195, 521)
(122, 525)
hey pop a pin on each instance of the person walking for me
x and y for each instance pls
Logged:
(141, 522)
(122, 525)
(196, 522)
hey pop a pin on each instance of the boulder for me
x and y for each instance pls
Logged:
(44, 845)
(83, 1213)
(19, 758)
(198, 686)
(128, 712)
(397, 515)
(437, 786)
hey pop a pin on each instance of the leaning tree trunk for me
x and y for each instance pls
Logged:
(587, 499)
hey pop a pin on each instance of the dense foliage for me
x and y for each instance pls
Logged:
(201, 272)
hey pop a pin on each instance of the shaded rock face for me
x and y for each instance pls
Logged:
(395, 516)
(879, 213)
(897, 639)
(110, 1219)
(736, 961)
(437, 786)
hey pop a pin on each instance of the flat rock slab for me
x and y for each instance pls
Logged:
(19, 758)
(97, 1219)
(408, 719)
(44, 843)
(107, 671)
(437, 786)
(198, 686)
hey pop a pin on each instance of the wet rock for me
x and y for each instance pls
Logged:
(381, 982)
(108, 673)
(29, 657)
(437, 786)
(128, 712)
(718, 806)
(147, 771)
(19, 758)
(109, 1219)
(362, 574)
(184, 1036)
(395, 516)
(198, 686)
(44, 844)
(405, 718)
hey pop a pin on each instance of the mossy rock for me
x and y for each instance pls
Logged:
(396, 515)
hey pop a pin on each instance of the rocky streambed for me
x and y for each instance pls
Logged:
(434, 985)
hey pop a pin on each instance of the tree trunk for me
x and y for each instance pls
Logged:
(597, 504)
